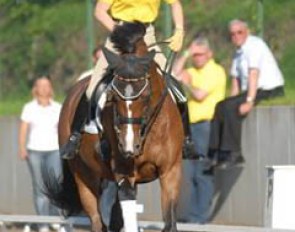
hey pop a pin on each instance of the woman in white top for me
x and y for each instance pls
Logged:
(38, 141)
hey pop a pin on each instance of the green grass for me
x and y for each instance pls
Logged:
(288, 99)
(11, 107)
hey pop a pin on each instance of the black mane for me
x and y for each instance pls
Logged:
(125, 36)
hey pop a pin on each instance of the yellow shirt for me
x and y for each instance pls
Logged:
(212, 79)
(145, 11)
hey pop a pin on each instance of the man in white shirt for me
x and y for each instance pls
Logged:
(255, 76)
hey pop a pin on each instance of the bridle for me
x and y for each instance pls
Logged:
(149, 113)
(146, 121)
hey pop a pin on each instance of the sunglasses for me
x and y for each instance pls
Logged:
(239, 32)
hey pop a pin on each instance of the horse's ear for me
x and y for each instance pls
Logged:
(112, 58)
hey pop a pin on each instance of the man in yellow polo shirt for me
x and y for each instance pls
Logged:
(113, 12)
(205, 83)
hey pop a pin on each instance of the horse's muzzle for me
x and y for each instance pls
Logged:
(128, 154)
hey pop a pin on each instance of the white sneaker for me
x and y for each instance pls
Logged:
(27, 228)
(44, 229)
(62, 229)
(55, 226)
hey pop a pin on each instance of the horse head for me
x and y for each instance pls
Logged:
(130, 87)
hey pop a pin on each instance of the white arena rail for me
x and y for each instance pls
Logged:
(70, 222)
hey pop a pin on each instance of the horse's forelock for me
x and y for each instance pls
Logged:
(125, 36)
(132, 67)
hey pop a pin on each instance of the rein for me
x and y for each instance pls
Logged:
(153, 115)
(166, 73)
(168, 66)
(170, 59)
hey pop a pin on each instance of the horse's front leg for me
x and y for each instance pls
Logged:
(90, 205)
(170, 183)
(127, 198)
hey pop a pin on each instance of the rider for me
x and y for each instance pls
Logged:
(111, 13)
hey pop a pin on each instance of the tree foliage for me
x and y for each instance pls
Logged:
(49, 36)
(40, 37)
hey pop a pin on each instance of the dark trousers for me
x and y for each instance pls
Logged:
(226, 127)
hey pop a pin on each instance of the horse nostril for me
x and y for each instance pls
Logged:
(137, 146)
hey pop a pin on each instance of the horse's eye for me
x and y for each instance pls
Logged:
(145, 93)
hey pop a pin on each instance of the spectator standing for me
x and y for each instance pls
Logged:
(38, 142)
(255, 76)
(205, 82)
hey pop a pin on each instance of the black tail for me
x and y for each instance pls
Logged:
(62, 191)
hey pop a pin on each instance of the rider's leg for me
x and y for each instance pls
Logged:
(83, 109)
(188, 146)
(99, 69)
(69, 149)
(178, 93)
(150, 39)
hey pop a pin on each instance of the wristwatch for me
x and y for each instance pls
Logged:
(250, 99)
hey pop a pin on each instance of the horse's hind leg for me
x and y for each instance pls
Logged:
(90, 205)
(169, 194)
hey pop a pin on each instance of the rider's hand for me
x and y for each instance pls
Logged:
(175, 41)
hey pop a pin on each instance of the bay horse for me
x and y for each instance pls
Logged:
(141, 124)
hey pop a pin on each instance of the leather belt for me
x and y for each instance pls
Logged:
(119, 21)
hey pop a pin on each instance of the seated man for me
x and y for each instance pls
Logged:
(255, 76)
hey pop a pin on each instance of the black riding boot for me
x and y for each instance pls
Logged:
(177, 90)
(68, 150)
(188, 146)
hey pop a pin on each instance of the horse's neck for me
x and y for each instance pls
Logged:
(158, 84)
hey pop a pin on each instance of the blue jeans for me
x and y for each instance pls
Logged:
(35, 161)
(201, 136)
(199, 187)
